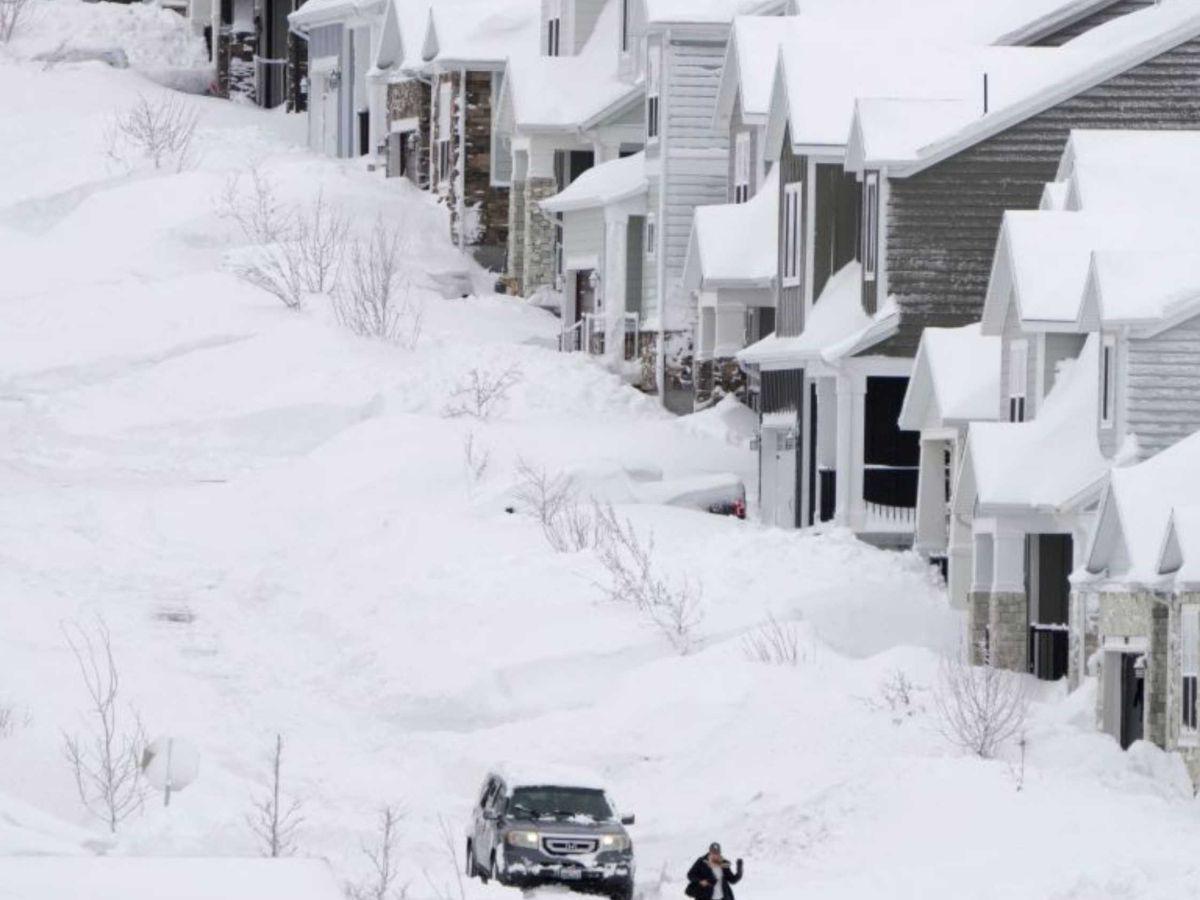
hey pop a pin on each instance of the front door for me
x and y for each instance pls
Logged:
(778, 460)
(1133, 698)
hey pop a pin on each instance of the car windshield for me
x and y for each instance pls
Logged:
(559, 803)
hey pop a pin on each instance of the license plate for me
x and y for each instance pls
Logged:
(571, 874)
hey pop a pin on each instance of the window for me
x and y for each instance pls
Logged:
(1018, 360)
(651, 237)
(1108, 382)
(793, 210)
(445, 128)
(553, 27)
(1190, 668)
(741, 167)
(870, 259)
(624, 26)
(653, 79)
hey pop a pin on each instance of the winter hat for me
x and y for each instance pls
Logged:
(714, 847)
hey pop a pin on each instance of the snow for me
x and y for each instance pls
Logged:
(665, 12)
(754, 46)
(1184, 539)
(1129, 171)
(322, 12)
(607, 183)
(275, 520)
(115, 878)
(736, 244)
(1140, 287)
(958, 371)
(481, 32)
(402, 37)
(1051, 461)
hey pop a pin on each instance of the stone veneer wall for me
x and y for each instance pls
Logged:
(978, 613)
(539, 235)
(411, 100)
(485, 205)
(647, 381)
(235, 63)
(515, 271)
(1008, 630)
(716, 379)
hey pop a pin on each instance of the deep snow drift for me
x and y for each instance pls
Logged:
(276, 521)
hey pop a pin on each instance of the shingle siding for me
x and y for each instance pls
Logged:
(942, 223)
(1162, 387)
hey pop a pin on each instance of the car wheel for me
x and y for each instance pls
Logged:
(472, 869)
(623, 892)
(493, 871)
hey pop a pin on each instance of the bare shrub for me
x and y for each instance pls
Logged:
(12, 718)
(899, 694)
(553, 500)
(776, 643)
(633, 580)
(321, 234)
(979, 707)
(476, 459)
(280, 270)
(1017, 769)
(275, 820)
(457, 890)
(256, 209)
(383, 883)
(376, 298)
(481, 394)
(160, 131)
(12, 14)
(106, 759)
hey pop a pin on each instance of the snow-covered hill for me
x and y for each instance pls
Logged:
(276, 521)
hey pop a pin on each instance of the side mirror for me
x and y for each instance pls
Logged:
(628, 820)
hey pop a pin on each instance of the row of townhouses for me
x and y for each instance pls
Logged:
(943, 252)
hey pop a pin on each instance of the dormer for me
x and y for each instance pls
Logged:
(568, 24)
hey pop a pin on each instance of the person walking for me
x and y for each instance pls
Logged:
(711, 877)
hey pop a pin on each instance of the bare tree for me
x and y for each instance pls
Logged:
(273, 819)
(376, 297)
(979, 707)
(106, 759)
(321, 234)
(444, 892)
(774, 642)
(12, 14)
(633, 580)
(482, 394)
(160, 131)
(383, 883)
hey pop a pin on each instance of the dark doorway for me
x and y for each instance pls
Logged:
(1048, 564)
(891, 456)
(1133, 698)
(364, 132)
(813, 443)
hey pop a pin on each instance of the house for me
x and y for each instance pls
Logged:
(935, 173)
(464, 55)
(955, 381)
(254, 55)
(409, 100)
(1096, 289)
(345, 109)
(574, 103)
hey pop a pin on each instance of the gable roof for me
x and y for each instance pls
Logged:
(401, 36)
(326, 12)
(1080, 64)
(607, 183)
(483, 33)
(1179, 558)
(955, 379)
(1129, 171)
(1145, 290)
(735, 245)
(748, 74)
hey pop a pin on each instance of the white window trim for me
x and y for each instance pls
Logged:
(1108, 381)
(654, 66)
(871, 226)
(1018, 378)
(1189, 665)
(741, 167)
(792, 242)
(554, 17)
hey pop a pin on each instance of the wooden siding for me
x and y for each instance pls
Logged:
(782, 390)
(583, 235)
(1087, 23)
(1162, 387)
(789, 310)
(835, 223)
(942, 223)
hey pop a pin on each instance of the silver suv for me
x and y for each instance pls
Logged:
(540, 830)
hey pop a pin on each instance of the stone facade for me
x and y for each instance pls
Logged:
(717, 379)
(647, 381)
(539, 236)
(678, 361)
(411, 100)
(484, 207)
(1008, 630)
(234, 54)
(515, 272)
(978, 613)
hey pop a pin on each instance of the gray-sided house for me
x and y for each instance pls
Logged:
(575, 103)
(408, 99)
(955, 381)
(345, 108)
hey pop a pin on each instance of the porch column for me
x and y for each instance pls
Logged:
(1008, 621)
(845, 451)
(516, 222)
(857, 519)
(615, 276)
(931, 537)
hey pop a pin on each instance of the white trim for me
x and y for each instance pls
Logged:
(1018, 380)
(741, 166)
(871, 206)
(792, 243)
(1108, 382)
(323, 65)
(403, 126)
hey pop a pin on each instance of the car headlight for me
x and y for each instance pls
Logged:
(614, 842)
(527, 839)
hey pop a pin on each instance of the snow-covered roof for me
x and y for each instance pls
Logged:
(1144, 289)
(1179, 558)
(556, 92)
(1047, 464)
(749, 70)
(1132, 522)
(323, 12)
(955, 380)
(481, 32)
(402, 35)
(1017, 92)
(667, 12)
(153, 878)
(837, 326)
(1130, 171)
(610, 182)
(736, 245)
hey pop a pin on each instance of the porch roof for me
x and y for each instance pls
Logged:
(482, 32)
(735, 244)
(602, 185)
(955, 380)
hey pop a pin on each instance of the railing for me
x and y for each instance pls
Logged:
(593, 333)
(890, 518)
(270, 81)
(570, 340)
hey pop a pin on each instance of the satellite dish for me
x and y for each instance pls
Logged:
(170, 764)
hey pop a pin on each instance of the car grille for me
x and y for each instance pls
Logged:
(567, 846)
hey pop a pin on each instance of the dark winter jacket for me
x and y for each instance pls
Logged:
(702, 871)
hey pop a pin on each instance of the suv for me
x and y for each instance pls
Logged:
(527, 832)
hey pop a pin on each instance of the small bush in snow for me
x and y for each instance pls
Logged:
(776, 643)
(12, 718)
(106, 759)
(482, 394)
(554, 501)
(383, 883)
(254, 206)
(476, 459)
(899, 694)
(279, 270)
(634, 580)
(160, 131)
(979, 707)
(457, 890)
(321, 233)
(12, 14)
(274, 819)
(375, 298)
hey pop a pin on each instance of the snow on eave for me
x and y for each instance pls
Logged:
(689, 14)
(315, 13)
(919, 410)
(1054, 21)
(1101, 69)
(963, 358)
(609, 183)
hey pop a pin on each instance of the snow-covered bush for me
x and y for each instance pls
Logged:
(11, 718)
(274, 819)
(375, 297)
(159, 131)
(106, 759)
(774, 642)
(458, 889)
(554, 501)
(256, 208)
(381, 852)
(979, 707)
(13, 13)
(482, 394)
(280, 271)
(321, 233)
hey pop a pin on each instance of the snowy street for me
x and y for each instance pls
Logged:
(288, 532)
